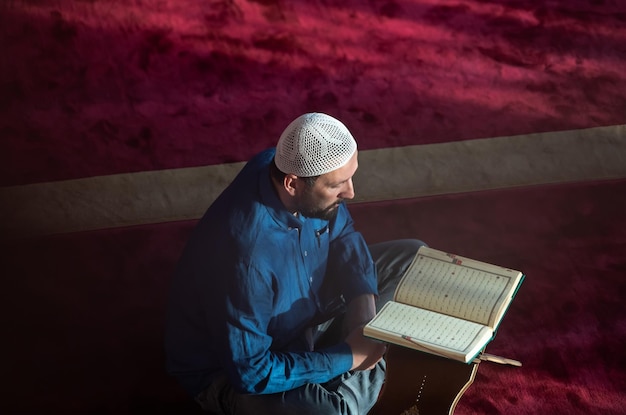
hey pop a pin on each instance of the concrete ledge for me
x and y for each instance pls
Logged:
(384, 174)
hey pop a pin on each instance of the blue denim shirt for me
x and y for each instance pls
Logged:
(251, 280)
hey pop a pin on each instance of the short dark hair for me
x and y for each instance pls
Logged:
(278, 175)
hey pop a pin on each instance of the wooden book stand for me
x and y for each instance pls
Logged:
(431, 384)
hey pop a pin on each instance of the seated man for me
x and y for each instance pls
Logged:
(272, 291)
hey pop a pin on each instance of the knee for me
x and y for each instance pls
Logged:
(406, 247)
(395, 253)
(398, 245)
(413, 244)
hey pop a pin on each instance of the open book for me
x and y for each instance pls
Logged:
(446, 305)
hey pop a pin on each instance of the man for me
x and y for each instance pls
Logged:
(270, 296)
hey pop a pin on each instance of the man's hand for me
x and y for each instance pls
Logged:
(365, 352)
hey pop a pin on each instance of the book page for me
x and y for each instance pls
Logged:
(457, 286)
(435, 333)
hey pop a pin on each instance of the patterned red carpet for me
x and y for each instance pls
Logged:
(101, 87)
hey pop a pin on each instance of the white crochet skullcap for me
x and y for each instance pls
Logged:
(314, 144)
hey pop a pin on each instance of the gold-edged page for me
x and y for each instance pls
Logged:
(458, 286)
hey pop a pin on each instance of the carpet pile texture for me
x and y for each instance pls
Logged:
(100, 87)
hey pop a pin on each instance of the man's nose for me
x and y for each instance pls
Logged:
(348, 192)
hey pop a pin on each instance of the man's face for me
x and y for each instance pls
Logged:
(329, 191)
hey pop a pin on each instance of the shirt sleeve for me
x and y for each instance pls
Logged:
(349, 258)
(252, 366)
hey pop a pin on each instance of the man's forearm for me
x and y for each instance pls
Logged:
(360, 311)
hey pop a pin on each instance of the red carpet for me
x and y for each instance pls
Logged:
(101, 87)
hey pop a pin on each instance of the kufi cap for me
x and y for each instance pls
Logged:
(314, 144)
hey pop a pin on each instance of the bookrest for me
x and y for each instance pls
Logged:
(431, 384)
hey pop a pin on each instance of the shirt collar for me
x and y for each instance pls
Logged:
(274, 206)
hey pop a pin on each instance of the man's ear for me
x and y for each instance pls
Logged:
(290, 184)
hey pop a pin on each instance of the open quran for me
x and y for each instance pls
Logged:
(446, 305)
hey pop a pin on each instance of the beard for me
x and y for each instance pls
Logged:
(310, 208)
(328, 213)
